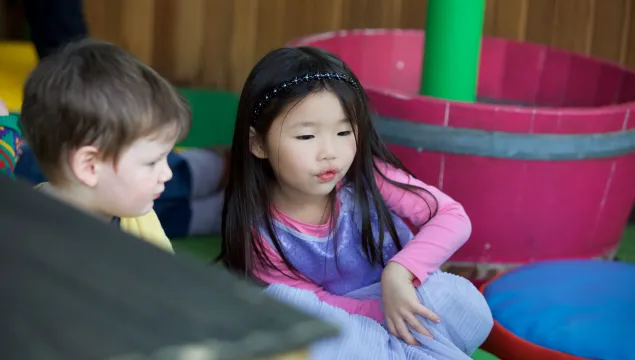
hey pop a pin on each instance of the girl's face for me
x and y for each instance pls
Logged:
(310, 147)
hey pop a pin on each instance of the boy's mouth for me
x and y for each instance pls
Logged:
(158, 194)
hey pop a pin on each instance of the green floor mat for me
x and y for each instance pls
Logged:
(626, 251)
(483, 355)
(205, 248)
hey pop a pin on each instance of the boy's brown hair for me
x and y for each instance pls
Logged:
(96, 93)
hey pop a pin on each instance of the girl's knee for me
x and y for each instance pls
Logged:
(464, 313)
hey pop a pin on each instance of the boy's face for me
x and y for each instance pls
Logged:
(129, 188)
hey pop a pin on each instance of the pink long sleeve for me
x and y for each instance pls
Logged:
(441, 237)
(370, 308)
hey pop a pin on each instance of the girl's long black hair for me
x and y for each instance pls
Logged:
(247, 206)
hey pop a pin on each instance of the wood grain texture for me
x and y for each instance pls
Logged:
(215, 43)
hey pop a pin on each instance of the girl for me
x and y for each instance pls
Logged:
(315, 201)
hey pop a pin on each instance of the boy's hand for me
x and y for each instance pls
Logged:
(401, 303)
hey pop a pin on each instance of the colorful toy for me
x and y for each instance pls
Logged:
(10, 141)
(17, 61)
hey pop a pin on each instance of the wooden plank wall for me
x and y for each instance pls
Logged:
(214, 43)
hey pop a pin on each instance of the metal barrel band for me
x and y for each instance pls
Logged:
(506, 145)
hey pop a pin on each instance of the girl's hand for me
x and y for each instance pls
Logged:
(401, 303)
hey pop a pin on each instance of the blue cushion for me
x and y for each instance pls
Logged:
(581, 307)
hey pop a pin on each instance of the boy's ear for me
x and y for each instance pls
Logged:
(85, 164)
(255, 144)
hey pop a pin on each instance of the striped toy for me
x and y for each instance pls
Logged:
(10, 141)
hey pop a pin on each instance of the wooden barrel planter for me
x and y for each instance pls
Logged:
(544, 162)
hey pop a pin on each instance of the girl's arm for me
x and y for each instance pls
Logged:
(370, 308)
(441, 237)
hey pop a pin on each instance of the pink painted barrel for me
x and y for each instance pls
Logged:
(544, 163)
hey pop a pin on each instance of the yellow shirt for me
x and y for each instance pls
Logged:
(146, 227)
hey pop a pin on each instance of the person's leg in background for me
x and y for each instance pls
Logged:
(54, 23)
(192, 202)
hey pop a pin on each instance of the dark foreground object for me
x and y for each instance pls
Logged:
(73, 287)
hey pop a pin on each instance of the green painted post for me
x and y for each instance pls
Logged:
(452, 49)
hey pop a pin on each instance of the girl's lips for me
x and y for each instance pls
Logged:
(326, 176)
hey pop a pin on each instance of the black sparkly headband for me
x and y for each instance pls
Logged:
(306, 78)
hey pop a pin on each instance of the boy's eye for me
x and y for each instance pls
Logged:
(344, 133)
(155, 162)
(304, 137)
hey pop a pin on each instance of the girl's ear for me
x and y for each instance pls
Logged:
(255, 144)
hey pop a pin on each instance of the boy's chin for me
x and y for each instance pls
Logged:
(141, 211)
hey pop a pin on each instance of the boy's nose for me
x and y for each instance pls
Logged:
(166, 174)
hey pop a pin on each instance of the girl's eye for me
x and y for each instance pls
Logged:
(304, 137)
(344, 133)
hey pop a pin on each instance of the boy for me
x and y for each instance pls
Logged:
(100, 124)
